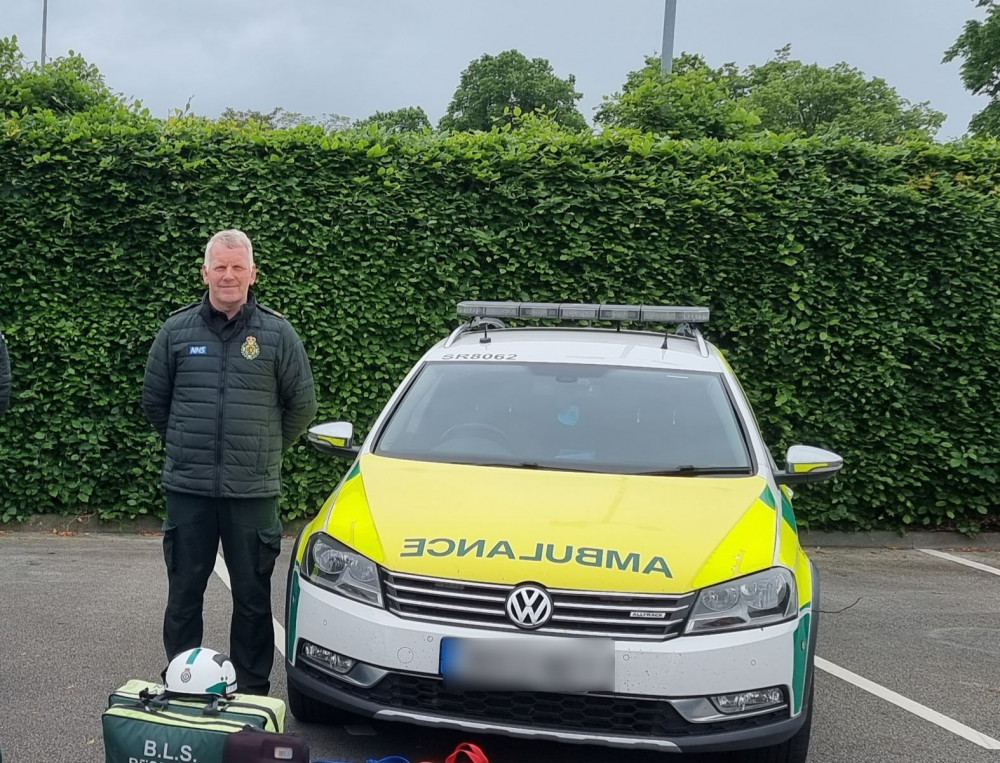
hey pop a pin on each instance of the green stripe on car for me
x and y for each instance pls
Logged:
(787, 513)
(767, 496)
(293, 609)
(801, 662)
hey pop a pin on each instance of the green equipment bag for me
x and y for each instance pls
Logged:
(144, 725)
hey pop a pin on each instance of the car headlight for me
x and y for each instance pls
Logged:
(763, 598)
(333, 565)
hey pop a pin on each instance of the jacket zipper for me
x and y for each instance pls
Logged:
(220, 420)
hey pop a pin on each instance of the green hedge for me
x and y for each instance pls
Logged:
(853, 287)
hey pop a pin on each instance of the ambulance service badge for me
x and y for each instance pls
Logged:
(250, 348)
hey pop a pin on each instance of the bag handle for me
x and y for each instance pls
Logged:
(216, 704)
(259, 708)
(146, 697)
(156, 700)
(471, 752)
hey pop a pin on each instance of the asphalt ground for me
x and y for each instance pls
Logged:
(908, 662)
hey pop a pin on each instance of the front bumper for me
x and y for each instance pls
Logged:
(655, 682)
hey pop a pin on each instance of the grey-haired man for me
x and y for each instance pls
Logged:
(228, 386)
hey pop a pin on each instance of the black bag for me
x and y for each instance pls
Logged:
(254, 746)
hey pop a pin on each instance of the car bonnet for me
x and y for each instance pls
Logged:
(613, 532)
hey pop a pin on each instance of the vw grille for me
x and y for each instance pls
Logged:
(576, 613)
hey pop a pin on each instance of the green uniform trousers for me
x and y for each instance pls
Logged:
(250, 531)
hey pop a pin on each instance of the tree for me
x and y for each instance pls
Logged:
(275, 119)
(65, 85)
(250, 116)
(280, 119)
(492, 84)
(334, 122)
(979, 47)
(807, 99)
(410, 119)
(782, 95)
(694, 101)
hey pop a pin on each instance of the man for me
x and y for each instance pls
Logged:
(228, 387)
(4, 376)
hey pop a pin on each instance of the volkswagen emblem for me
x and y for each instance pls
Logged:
(529, 606)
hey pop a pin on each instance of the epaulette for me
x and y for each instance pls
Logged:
(270, 310)
(186, 307)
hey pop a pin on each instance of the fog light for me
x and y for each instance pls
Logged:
(744, 701)
(338, 663)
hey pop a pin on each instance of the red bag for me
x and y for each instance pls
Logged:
(467, 752)
(255, 746)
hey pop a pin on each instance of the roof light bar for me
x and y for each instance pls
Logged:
(674, 314)
(572, 312)
(539, 310)
(472, 309)
(579, 312)
(620, 312)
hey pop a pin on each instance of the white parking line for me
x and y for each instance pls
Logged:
(933, 716)
(960, 560)
(871, 687)
(279, 631)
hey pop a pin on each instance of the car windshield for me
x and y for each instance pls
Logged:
(568, 416)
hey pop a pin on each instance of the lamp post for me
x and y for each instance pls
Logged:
(669, 21)
(45, 22)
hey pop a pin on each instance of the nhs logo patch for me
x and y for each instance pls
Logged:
(197, 349)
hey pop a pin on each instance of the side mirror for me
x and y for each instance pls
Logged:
(335, 438)
(804, 463)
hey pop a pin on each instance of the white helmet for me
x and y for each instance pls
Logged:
(201, 671)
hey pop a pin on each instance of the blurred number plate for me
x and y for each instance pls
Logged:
(540, 664)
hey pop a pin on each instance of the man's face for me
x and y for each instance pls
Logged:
(228, 275)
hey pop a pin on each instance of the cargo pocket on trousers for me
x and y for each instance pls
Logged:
(169, 555)
(268, 548)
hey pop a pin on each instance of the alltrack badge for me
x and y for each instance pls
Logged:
(250, 348)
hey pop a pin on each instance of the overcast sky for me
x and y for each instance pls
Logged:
(353, 57)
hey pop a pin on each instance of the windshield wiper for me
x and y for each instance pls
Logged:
(534, 465)
(689, 470)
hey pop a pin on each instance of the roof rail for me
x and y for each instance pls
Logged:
(474, 325)
(690, 332)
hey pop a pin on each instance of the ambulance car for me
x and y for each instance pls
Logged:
(570, 531)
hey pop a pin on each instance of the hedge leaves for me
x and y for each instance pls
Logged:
(853, 287)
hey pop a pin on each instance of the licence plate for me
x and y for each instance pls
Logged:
(539, 664)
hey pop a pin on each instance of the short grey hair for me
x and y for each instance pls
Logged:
(232, 239)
